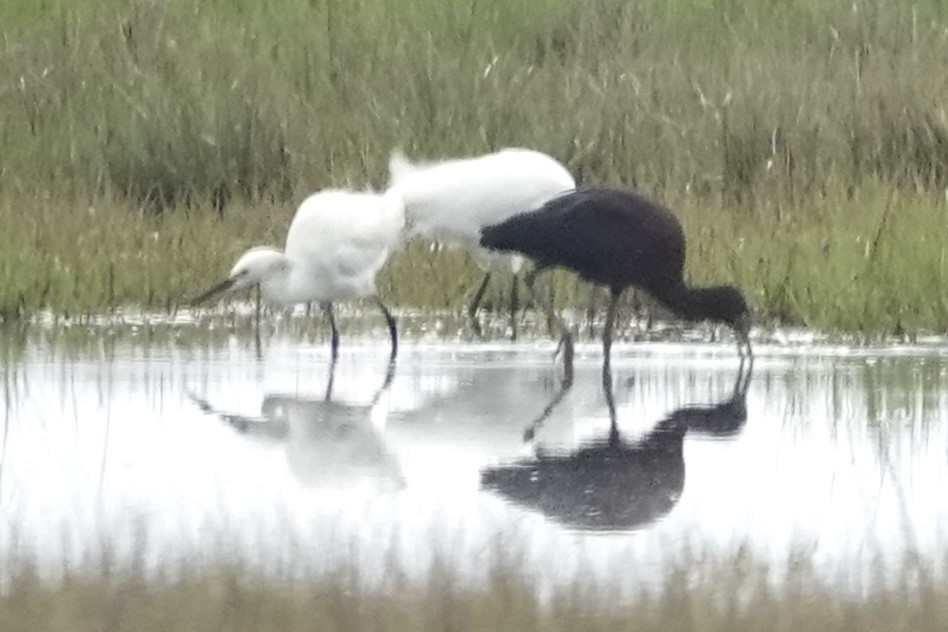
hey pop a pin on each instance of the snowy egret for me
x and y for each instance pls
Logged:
(619, 239)
(336, 245)
(452, 200)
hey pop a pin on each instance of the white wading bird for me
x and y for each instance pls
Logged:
(452, 200)
(337, 243)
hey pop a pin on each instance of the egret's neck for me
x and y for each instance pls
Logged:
(281, 285)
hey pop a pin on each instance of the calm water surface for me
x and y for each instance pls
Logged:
(839, 454)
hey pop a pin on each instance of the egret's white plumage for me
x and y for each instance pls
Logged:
(452, 200)
(336, 245)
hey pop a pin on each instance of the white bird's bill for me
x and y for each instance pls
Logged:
(220, 288)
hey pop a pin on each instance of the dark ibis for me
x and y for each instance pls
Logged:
(619, 239)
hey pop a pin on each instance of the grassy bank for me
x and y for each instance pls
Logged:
(706, 594)
(873, 263)
(804, 144)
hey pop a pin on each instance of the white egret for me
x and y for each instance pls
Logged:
(452, 200)
(337, 243)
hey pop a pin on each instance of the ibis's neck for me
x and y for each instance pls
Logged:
(689, 303)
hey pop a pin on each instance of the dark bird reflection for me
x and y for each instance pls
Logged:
(327, 443)
(613, 485)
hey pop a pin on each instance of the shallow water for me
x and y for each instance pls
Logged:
(835, 453)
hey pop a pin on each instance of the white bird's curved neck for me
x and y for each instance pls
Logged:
(283, 286)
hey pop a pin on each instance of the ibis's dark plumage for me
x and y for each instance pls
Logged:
(619, 239)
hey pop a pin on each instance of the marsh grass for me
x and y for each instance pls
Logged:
(176, 102)
(221, 591)
(875, 263)
(804, 144)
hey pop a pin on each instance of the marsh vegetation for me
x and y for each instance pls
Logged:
(219, 592)
(804, 144)
(144, 145)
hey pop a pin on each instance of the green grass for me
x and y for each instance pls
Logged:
(804, 143)
(704, 593)
(873, 263)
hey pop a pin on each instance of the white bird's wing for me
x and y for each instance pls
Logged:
(345, 237)
(400, 167)
(454, 199)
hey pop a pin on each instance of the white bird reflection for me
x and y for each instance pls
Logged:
(612, 485)
(329, 444)
(480, 417)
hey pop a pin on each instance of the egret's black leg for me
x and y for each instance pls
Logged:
(514, 305)
(392, 330)
(327, 308)
(476, 303)
(256, 324)
(607, 347)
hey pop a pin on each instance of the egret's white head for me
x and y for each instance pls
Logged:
(257, 265)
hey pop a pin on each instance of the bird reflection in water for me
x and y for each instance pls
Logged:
(328, 443)
(613, 485)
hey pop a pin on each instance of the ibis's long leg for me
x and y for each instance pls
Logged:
(566, 338)
(607, 350)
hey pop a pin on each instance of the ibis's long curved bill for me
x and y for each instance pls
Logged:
(217, 289)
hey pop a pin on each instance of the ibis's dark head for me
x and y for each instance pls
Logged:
(726, 304)
(722, 304)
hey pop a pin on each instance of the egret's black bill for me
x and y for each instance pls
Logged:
(217, 289)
